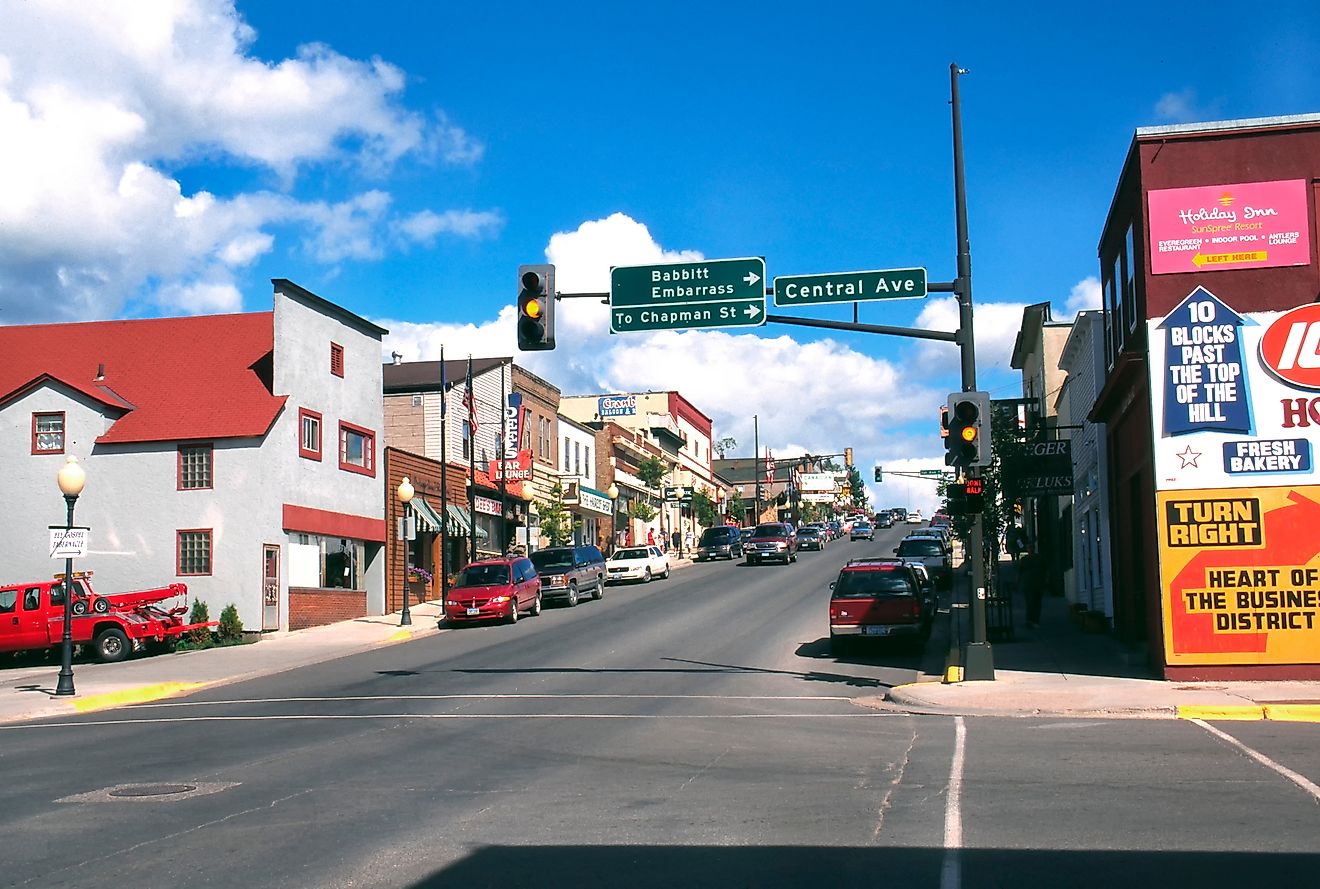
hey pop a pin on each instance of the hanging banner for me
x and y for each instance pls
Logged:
(513, 422)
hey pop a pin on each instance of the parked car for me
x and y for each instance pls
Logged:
(569, 572)
(862, 531)
(637, 563)
(720, 542)
(931, 552)
(494, 589)
(878, 598)
(811, 537)
(772, 540)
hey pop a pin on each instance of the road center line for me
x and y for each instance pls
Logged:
(1300, 780)
(951, 874)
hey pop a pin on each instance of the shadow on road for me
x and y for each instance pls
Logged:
(840, 866)
(866, 652)
(697, 667)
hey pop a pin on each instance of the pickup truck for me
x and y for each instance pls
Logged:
(32, 617)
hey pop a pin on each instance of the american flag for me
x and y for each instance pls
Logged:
(769, 467)
(470, 401)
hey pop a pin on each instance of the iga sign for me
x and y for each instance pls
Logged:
(1221, 227)
(1290, 348)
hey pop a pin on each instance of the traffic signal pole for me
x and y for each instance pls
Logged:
(978, 657)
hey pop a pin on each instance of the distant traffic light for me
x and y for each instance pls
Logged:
(536, 308)
(968, 443)
(847, 457)
(879, 474)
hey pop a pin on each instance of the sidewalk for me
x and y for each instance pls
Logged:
(1058, 669)
(28, 691)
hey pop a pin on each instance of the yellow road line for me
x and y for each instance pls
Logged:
(1293, 712)
(1238, 712)
(139, 695)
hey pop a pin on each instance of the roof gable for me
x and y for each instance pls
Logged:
(177, 378)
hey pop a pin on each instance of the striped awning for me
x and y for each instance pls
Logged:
(460, 522)
(427, 518)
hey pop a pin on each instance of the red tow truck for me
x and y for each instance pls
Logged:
(32, 617)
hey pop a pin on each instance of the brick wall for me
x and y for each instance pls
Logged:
(315, 607)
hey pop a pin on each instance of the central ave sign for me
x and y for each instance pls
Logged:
(683, 295)
(847, 287)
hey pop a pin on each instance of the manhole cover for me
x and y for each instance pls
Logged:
(153, 789)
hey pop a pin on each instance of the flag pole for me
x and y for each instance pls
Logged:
(444, 484)
(472, 462)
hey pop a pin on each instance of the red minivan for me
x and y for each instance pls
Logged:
(878, 598)
(494, 588)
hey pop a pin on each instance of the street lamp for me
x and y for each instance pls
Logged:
(405, 493)
(71, 479)
(612, 492)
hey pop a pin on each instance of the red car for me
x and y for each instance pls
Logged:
(879, 598)
(494, 589)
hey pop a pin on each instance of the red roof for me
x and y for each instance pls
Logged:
(203, 377)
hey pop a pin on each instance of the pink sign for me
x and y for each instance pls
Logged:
(1219, 227)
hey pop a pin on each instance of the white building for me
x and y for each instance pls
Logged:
(589, 505)
(1082, 360)
(235, 453)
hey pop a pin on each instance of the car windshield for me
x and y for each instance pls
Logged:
(635, 552)
(862, 526)
(872, 583)
(809, 532)
(925, 547)
(769, 531)
(551, 560)
(483, 575)
(713, 535)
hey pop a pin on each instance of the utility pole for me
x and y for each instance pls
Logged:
(978, 661)
(756, 465)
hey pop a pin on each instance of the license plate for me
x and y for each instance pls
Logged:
(875, 631)
(473, 612)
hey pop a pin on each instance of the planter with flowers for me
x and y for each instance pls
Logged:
(419, 578)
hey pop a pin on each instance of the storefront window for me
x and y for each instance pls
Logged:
(326, 562)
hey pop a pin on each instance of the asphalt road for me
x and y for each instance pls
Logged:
(689, 732)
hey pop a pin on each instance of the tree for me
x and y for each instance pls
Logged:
(652, 470)
(641, 510)
(704, 509)
(736, 507)
(858, 489)
(556, 521)
(724, 445)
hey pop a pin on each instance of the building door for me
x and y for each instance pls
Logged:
(270, 587)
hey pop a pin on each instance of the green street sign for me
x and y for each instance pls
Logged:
(684, 295)
(934, 472)
(848, 287)
(681, 494)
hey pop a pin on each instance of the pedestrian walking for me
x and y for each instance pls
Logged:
(690, 538)
(1031, 573)
(650, 537)
(1015, 540)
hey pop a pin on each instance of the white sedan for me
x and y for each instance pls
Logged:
(637, 563)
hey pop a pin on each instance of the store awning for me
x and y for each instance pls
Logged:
(427, 518)
(460, 522)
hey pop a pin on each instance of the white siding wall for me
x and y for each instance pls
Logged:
(586, 446)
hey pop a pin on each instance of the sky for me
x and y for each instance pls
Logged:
(403, 159)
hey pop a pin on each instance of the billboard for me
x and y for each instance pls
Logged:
(817, 481)
(1214, 228)
(616, 406)
(1235, 401)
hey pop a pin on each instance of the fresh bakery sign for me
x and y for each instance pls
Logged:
(1223, 227)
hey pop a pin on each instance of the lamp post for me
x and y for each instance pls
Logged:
(612, 492)
(71, 479)
(405, 493)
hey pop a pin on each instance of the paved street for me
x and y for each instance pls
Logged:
(689, 732)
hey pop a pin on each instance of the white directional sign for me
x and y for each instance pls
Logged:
(66, 543)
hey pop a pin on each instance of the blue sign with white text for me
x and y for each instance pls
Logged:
(1267, 455)
(1205, 388)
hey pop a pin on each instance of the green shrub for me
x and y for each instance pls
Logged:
(200, 637)
(230, 631)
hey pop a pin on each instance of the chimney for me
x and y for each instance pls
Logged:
(100, 373)
(397, 357)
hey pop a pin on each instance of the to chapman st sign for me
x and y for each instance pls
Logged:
(683, 295)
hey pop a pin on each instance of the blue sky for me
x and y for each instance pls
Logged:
(403, 159)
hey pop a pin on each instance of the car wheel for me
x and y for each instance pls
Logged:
(536, 606)
(599, 592)
(78, 608)
(793, 558)
(572, 595)
(665, 576)
(112, 646)
(513, 611)
(646, 578)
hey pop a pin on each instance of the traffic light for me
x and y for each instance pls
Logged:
(974, 499)
(536, 308)
(968, 443)
(956, 494)
(847, 457)
(879, 474)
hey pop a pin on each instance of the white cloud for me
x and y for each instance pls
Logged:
(1179, 107)
(1085, 295)
(995, 325)
(97, 100)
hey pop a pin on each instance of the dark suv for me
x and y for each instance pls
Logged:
(721, 541)
(772, 540)
(569, 572)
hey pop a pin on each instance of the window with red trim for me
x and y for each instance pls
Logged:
(309, 434)
(48, 433)
(195, 467)
(336, 359)
(194, 552)
(357, 449)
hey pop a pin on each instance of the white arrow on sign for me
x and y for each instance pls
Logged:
(753, 311)
(751, 278)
